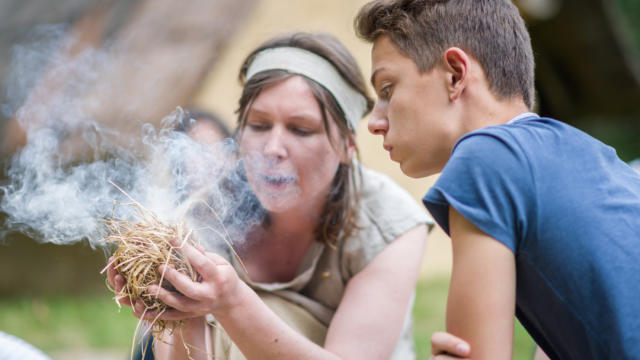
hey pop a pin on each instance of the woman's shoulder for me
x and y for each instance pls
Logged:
(389, 206)
(386, 212)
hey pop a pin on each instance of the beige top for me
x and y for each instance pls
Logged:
(386, 212)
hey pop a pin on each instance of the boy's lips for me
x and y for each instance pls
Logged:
(389, 148)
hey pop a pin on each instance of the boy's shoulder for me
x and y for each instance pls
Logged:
(523, 150)
(538, 135)
(516, 128)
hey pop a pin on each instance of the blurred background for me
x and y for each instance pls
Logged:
(160, 54)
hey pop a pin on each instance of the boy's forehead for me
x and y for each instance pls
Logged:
(386, 55)
(383, 51)
(382, 44)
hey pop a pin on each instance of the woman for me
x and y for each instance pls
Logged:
(332, 269)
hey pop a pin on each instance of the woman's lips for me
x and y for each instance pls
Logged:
(278, 180)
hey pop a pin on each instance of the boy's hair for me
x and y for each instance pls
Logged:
(491, 31)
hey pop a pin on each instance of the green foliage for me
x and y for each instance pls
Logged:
(63, 322)
(429, 316)
(429, 312)
(630, 9)
(623, 136)
(94, 321)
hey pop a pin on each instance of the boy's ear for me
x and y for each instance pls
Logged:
(456, 63)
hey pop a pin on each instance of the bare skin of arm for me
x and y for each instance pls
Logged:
(367, 323)
(445, 346)
(540, 354)
(481, 302)
(376, 301)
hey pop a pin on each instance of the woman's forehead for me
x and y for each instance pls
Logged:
(292, 96)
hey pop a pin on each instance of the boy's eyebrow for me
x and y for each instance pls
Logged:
(373, 77)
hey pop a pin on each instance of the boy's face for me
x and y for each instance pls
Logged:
(413, 113)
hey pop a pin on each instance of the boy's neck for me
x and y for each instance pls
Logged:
(491, 111)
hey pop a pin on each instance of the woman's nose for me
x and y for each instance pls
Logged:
(275, 146)
(378, 123)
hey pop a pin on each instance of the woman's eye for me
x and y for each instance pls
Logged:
(258, 126)
(301, 131)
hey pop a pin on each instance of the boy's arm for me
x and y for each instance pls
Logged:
(481, 302)
(540, 354)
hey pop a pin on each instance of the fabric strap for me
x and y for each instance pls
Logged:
(316, 68)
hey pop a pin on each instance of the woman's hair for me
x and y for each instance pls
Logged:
(339, 214)
(492, 31)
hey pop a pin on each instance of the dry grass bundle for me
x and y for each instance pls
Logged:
(143, 244)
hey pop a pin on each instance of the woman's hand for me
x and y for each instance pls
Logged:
(445, 346)
(216, 290)
(117, 282)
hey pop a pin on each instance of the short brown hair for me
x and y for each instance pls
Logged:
(491, 31)
(339, 215)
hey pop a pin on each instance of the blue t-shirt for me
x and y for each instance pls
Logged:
(569, 209)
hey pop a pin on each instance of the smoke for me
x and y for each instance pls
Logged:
(60, 187)
(275, 183)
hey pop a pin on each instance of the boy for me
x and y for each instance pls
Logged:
(544, 219)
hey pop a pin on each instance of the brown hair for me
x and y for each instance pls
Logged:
(339, 215)
(491, 31)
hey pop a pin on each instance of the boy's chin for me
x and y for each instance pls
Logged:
(416, 172)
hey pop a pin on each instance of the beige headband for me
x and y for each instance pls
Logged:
(310, 65)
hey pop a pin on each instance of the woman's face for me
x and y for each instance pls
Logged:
(289, 159)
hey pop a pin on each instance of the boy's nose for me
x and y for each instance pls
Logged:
(378, 123)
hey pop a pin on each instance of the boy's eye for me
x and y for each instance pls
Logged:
(385, 92)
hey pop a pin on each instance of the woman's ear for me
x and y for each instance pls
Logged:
(456, 63)
(350, 150)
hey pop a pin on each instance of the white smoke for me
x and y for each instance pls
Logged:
(59, 188)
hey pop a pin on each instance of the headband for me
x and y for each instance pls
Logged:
(314, 67)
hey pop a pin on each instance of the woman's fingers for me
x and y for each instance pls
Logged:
(181, 282)
(123, 299)
(174, 300)
(445, 357)
(117, 282)
(138, 308)
(197, 259)
(111, 272)
(168, 315)
(171, 313)
(212, 290)
(443, 343)
(199, 248)
(217, 259)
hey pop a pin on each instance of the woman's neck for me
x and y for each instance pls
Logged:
(274, 253)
